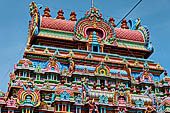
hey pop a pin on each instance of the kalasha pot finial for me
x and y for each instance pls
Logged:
(111, 20)
(60, 14)
(73, 16)
(124, 24)
(46, 12)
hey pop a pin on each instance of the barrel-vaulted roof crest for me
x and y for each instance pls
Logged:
(93, 22)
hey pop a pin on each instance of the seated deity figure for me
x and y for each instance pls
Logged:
(28, 100)
(122, 101)
(93, 107)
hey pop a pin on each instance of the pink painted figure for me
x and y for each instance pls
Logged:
(122, 101)
(11, 102)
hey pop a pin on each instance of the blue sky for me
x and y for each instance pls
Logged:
(15, 16)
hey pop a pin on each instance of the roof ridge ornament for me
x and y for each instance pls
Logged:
(34, 12)
(93, 21)
(94, 15)
(73, 16)
(60, 14)
(46, 12)
(124, 24)
(112, 20)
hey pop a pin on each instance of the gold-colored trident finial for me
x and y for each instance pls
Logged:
(91, 3)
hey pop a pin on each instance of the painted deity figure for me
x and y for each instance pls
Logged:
(11, 102)
(53, 97)
(146, 70)
(85, 93)
(53, 61)
(149, 93)
(43, 105)
(71, 66)
(28, 100)
(93, 107)
(121, 110)
(122, 101)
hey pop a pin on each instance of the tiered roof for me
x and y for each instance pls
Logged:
(70, 64)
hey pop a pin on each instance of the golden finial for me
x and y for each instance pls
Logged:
(158, 66)
(92, 3)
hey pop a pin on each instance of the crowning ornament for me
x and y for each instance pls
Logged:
(93, 21)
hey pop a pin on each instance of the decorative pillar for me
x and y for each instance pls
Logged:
(53, 77)
(103, 110)
(19, 73)
(75, 79)
(105, 82)
(10, 111)
(28, 110)
(142, 88)
(47, 77)
(65, 109)
(62, 107)
(55, 108)
(139, 111)
(66, 79)
(39, 77)
(98, 81)
(98, 47)
(126, 85)
(29, 74)
(0, 109)
(36, 76)
(78, 109)
(26, 74)
(22, 110)
(56, 77)
(102, 48)
(87, 47)
(58, 107)
(68, 107)
(23, 74)
(78, 47)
